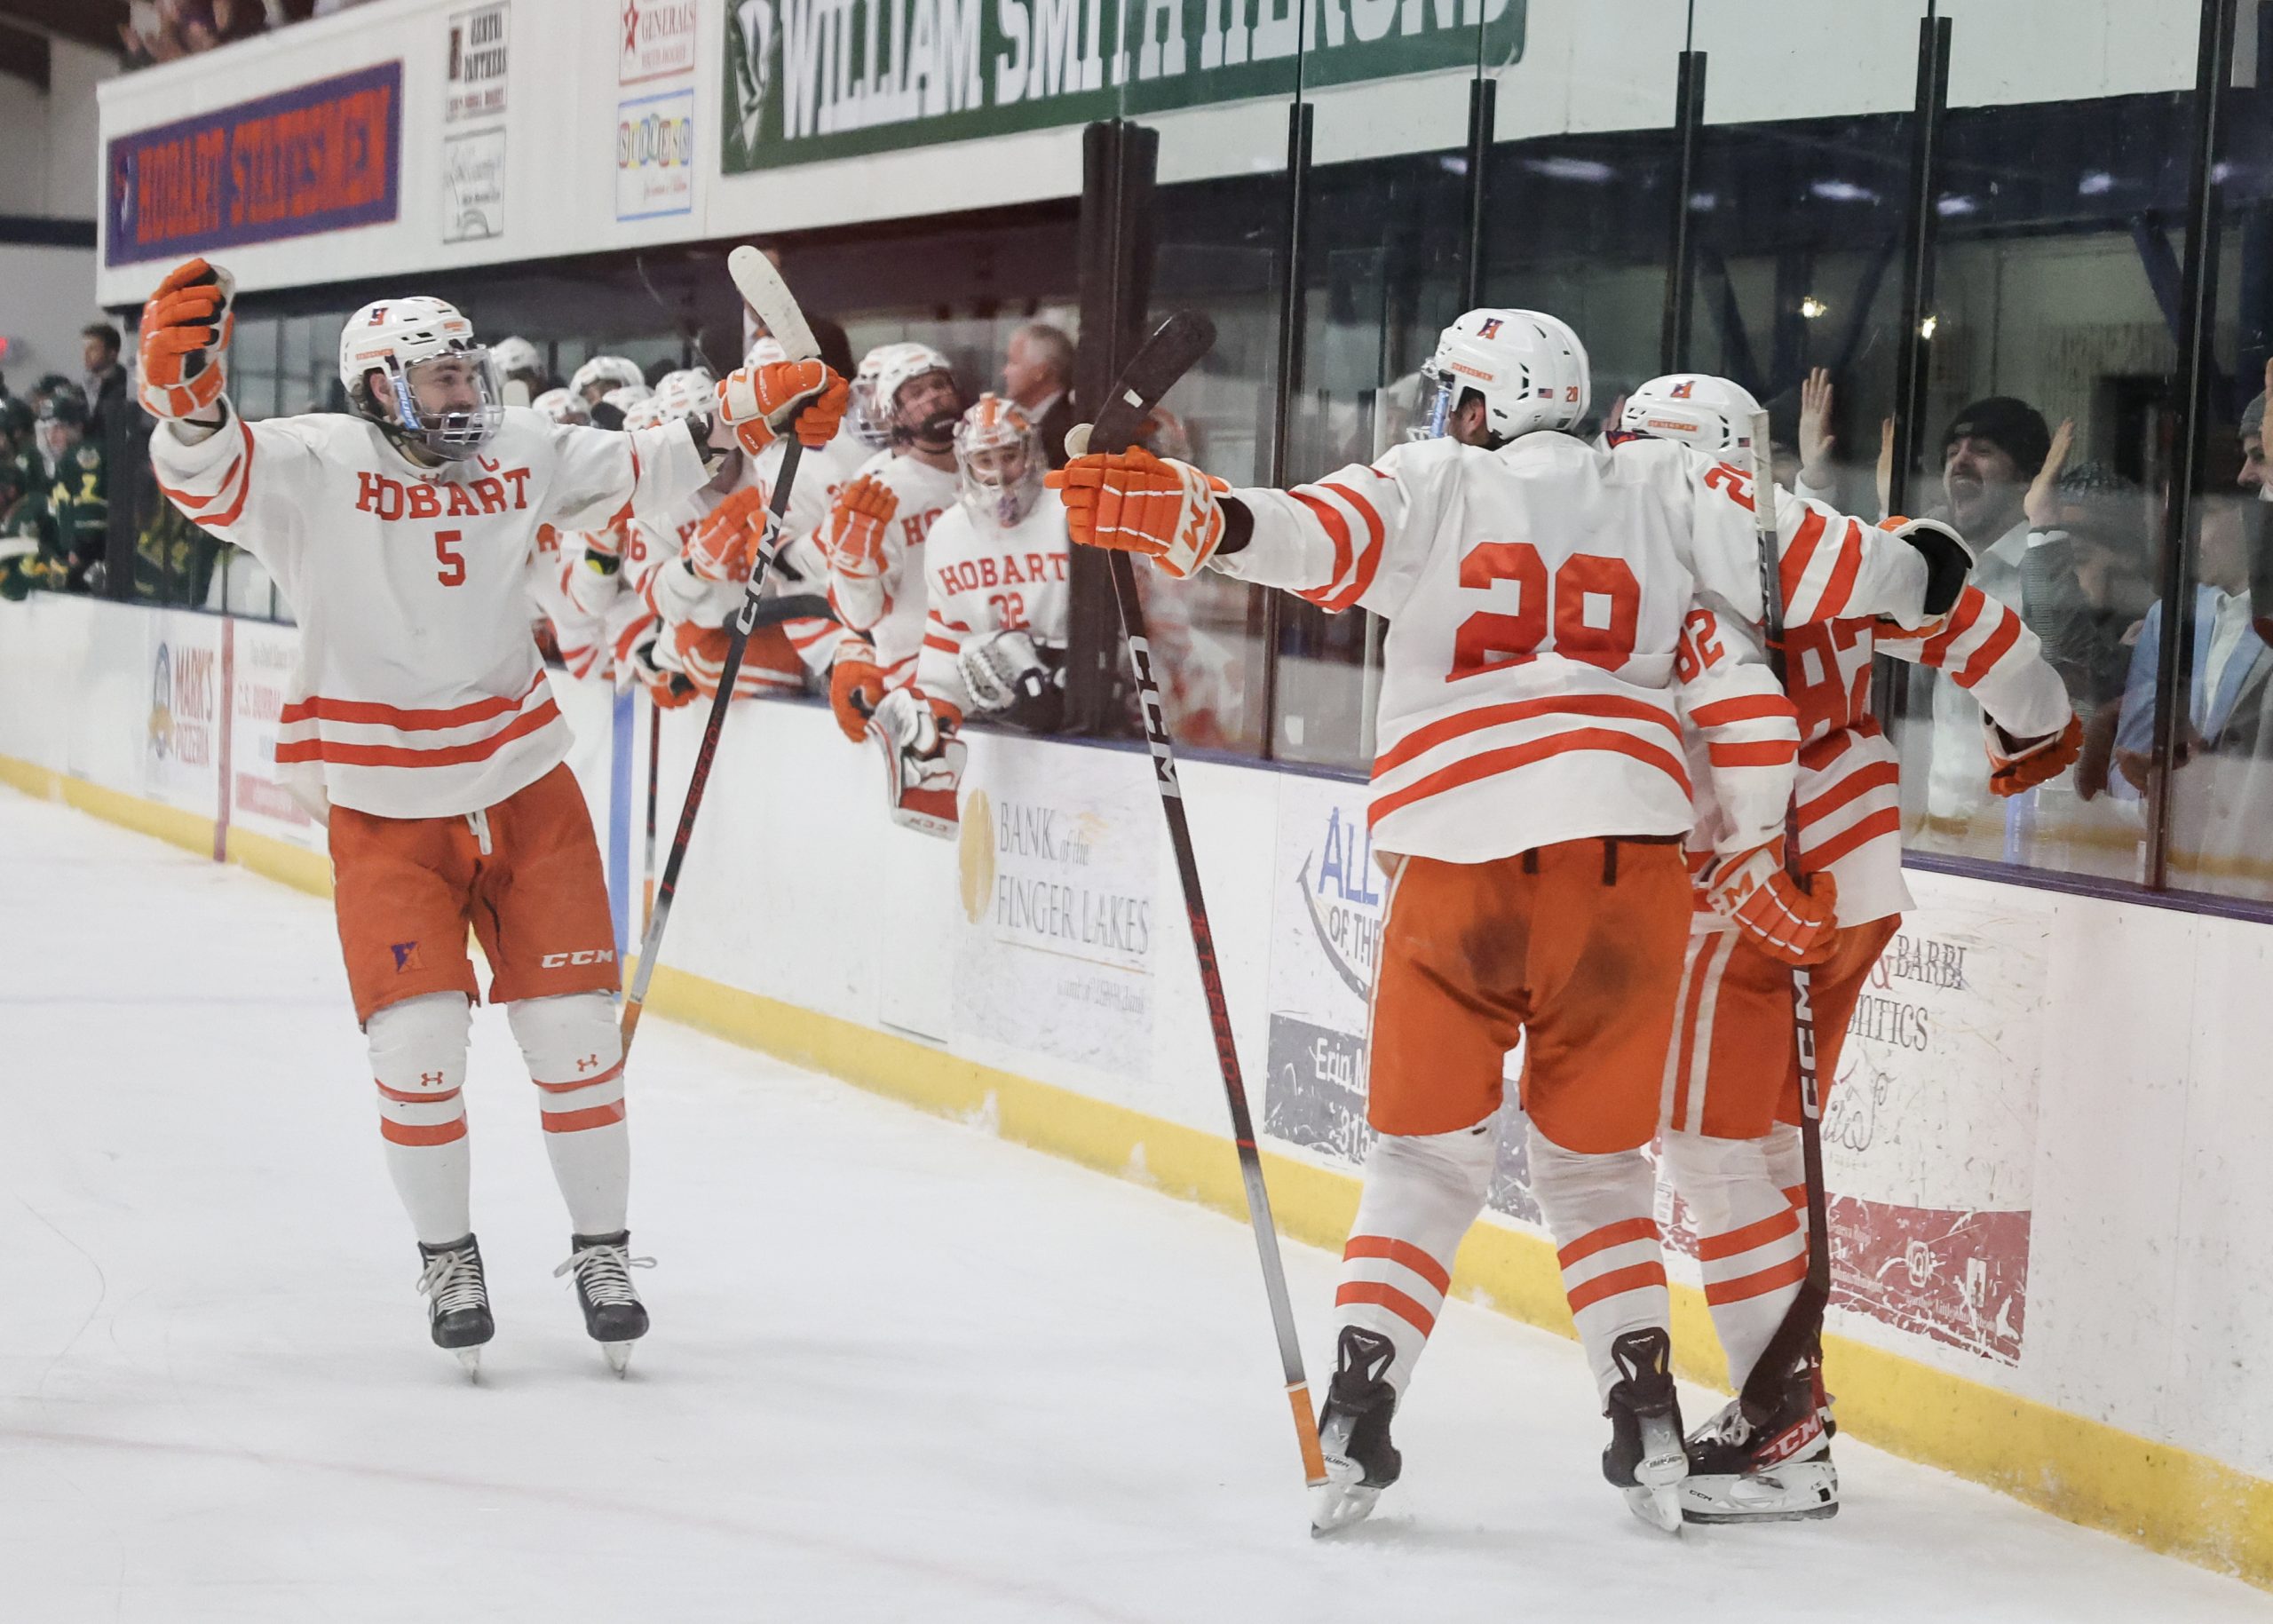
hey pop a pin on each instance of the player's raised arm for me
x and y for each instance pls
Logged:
(2028, 726)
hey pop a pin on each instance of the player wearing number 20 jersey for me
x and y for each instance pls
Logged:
(1531, 784)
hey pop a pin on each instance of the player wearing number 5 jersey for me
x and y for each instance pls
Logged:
(420, 717)
(1531, 792)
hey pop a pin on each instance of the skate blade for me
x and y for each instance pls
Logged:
(471, 1358)
(1342, 1502)
(1656, 1493)
(618, 1355)
(1801, 1492)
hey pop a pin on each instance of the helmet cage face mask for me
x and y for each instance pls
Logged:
(998, 462)
(1440, 394)
(451, 435)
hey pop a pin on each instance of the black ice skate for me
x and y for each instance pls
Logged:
(613, 1316)
(1353, 1432)
(457, 1300)
(1778, 1470)
(1646, 1457)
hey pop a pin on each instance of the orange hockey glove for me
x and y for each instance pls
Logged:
(759, 402)
(855, 541)
(724, 545)
(2015, 765)
(1139, 503)
(1789, 924)
(185, 328)
(652, 664)
(855, 686)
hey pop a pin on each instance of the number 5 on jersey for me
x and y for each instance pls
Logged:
(1600, 632)
(452, 562)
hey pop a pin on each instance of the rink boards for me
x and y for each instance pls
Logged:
(2045, 1142)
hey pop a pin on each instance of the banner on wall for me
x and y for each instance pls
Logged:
(1929, 1132)
(654, 157)
(477, 65)
(261, 667)
(473, 186)
(321, 158)
(1327, 899)
(1057, 925)
(810, 79)
(656, 39)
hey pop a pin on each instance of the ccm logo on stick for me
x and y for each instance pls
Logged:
(590, 956)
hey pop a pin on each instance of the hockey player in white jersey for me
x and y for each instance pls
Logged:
(874, 537)
(420, 720)
(1530, 796)
(604, 374)
(995, 628)
(1730, 1137)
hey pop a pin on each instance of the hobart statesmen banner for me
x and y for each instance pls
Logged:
(809, 79)
(320, 157)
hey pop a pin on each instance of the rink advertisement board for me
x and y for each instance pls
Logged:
(654, 157)
(811, 79)
(1057, 875)
(478, 58)
(316, 158)
(261, 659)
(182, 732)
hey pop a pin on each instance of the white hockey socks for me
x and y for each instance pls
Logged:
(1598, 1208)
(1422, 1193)
(418, 1061)
(1751, 1241)
(575, 1058)
(1787, 1165)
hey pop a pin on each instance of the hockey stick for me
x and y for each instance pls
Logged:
(654, 785)
(763, 290)
(1181, 341)
(1802, 1325)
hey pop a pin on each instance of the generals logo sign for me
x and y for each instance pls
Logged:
(656, 40)
(810, 79)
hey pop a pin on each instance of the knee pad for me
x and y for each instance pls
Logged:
(575, 1057)
(417, 1049)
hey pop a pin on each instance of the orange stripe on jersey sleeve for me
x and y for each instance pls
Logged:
(1936, 649)
(1337, 530)
(1369, 558)
(1748, 708)
(1801, 553)
(1840, 587)
(1857, 784)
(1999, 644)
(1763, 753)
(1885, 820)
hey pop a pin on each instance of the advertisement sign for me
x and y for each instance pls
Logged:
(657, 40)
(1057, 921)
(1327, 895)
(181, 734)
(477, 65)
(808, 79)
(322, 157)
(654, 157)
(1929, 1132)
(473, 186)
(261, 667)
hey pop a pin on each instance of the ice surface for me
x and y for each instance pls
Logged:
(901, 1370)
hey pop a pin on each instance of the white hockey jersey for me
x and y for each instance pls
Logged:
(891, 607)
(981, 577)
(1535, 596)
(419, 692)
(1850, 793)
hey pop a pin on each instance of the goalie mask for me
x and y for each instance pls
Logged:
(998, 460)
(412, 367)
(1529, 369)
(1709, 413)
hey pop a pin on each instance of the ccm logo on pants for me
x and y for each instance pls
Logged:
(590, 956)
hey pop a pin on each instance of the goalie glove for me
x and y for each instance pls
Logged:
(185, 334)
(1138, 502)
(1001, 669)
(923, 761)
(2018, 764)
(1752, 890)
(856, 686)
(758, 403)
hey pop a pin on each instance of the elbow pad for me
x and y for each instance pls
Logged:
(1238, 527)
(1949, 560)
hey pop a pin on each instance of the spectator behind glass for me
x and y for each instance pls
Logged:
(1038, 375)
(2085, 581)
(1993, 452)
(161, 30)
(98, 347)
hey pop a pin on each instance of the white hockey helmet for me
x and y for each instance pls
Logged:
(516, 357)
(765, 351)
(902, 365)
(866, 419)
(439, 390)
(561, 407)
(639, 411)
(606, 372)
(691, 392)
(1696, 408)
(1529, 368)
(999, 462)
(611, 409)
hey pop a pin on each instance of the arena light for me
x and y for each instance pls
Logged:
(1930, 327)
(1811, 307)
